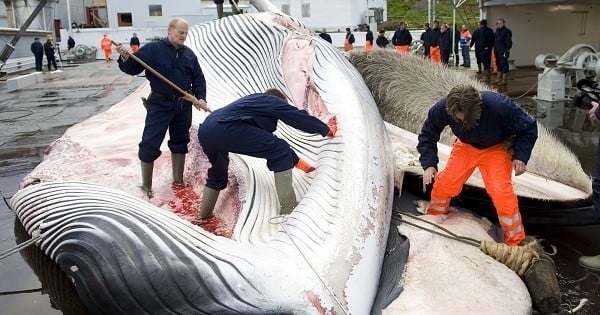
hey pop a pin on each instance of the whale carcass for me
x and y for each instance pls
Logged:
(126, 254)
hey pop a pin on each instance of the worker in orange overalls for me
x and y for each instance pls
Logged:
(349, 41)
(106, 45)
(369, 39)
(434, 43)
(402, 39)
(484, 122)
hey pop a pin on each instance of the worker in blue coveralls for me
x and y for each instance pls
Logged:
(246, 126)
(166, 110)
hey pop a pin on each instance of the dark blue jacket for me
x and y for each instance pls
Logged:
(503, 41)
(263, 111)
(180, 66)
(401, 38)
(485, 38)
(500, 118)
(37, 48)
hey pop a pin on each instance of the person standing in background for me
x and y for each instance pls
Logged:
(502, 46)
(425, 38)
(38, 52)
(106, 45)
(349, 40)
(434, 41)
(475, 45)
(402, 39)
(325, 36)
(465, 44)
(49, 51)
(382, 41)
(368, 39)
(70, 43)
(134, 43)
(485, 42)
(445, 43)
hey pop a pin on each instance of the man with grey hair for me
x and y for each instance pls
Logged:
(166, 110)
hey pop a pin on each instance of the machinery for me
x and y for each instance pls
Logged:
(558, 82)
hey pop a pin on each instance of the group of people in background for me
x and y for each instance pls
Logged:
(441, 41)
(40, 50)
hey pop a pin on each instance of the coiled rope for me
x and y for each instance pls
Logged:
(518, 258)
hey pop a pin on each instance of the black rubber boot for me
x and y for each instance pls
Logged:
(209, 199)
(147, 168)
(178, 164)
(285, 191)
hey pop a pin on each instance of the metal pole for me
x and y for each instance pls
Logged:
(429, 11)
(454, 32)
(69, 16)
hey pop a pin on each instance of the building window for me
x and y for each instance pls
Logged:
(306, 10)
(155, 9)
(285, 8)
(124, 19)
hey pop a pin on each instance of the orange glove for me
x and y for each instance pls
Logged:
(332, 124)
(307, 168)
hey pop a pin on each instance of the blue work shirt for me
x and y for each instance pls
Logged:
(500, 118)
(179, 65)
(263, 111)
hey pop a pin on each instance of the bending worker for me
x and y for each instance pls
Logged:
(246, 127)
(482, 122)
(165, 108)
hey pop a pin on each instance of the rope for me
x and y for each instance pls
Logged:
(5, 199)
(36, 236)
(518, 258)
(280, 219)
(20, 291)
(534, 85)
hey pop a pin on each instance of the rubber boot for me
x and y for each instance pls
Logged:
(504, 79)
(209, 199)
(590, 262)
(285, 191)
(178, 164)
(478, 68)
(499, 78)
(147, 168)
(486, 76)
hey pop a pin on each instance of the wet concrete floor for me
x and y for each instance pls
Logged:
(30, 119)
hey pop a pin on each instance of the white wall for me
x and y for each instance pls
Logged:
(540, 29)
(332, 14)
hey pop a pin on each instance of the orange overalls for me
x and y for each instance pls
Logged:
(403, 49)
(495, 165)
(435, 55)
(106, 45)
(368, 45)
(348, 45)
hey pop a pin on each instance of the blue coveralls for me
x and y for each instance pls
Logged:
(246, 127)
(164, 108)
(503, 44)
(485, 44)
